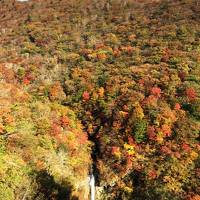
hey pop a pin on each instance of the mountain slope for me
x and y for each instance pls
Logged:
(130, 71)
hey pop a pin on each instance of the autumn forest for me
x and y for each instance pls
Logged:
(103, 87)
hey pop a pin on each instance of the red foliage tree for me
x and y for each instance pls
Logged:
(86, 96)
(156, 91)
(191, 93)
(177, 106)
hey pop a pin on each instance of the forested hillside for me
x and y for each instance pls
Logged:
(104, 86)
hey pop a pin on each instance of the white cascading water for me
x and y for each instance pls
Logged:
(92, 187)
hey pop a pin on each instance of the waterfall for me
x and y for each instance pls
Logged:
(92, 187)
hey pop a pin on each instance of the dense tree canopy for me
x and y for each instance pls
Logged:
(111, 84)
